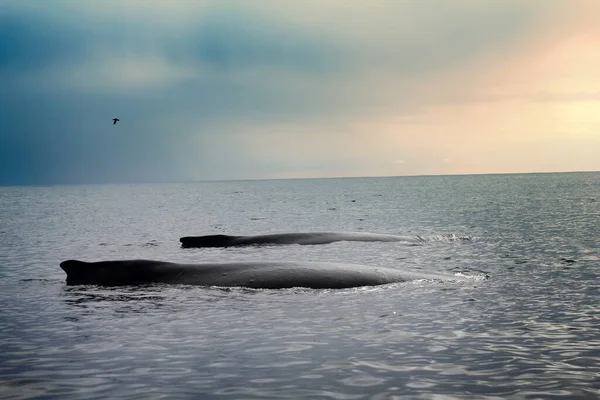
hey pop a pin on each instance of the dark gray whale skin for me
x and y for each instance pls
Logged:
(288, 238)
(258, 275)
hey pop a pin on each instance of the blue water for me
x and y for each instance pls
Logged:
(530, 330)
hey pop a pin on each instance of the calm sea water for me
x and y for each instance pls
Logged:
(530, 330)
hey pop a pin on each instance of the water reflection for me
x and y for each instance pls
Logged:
(80, 296)
(90, 300)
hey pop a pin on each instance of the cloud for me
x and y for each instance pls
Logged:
(118, 75)
(332, 38)
(30, 41)
(218, 89)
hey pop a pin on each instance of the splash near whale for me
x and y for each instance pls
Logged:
(257, 275)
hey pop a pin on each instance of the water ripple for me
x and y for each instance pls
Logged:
(530, 330)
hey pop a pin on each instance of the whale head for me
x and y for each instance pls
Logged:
(108, 272)
(207, 241)
(79, 272)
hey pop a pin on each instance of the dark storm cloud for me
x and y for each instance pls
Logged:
(28, 41)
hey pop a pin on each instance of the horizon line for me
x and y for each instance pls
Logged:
(141, 182)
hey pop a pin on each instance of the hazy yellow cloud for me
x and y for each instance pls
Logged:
(532, 107)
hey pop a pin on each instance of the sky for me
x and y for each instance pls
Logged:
(242, 89)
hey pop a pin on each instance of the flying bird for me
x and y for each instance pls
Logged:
(115, 120)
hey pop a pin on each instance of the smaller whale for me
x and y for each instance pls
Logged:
(289, 238)
(256, 275)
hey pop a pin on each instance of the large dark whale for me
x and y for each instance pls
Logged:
(289, 238)
(258, 275)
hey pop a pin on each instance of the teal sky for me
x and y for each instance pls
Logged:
(281, 89)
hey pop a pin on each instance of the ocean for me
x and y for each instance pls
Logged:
(523, 324)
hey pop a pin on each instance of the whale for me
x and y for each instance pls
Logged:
(308, 238)
(255, 275)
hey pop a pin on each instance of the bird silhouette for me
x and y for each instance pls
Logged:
(115, 120)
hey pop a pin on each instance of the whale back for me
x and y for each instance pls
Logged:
(302, 238)
(266, 275)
